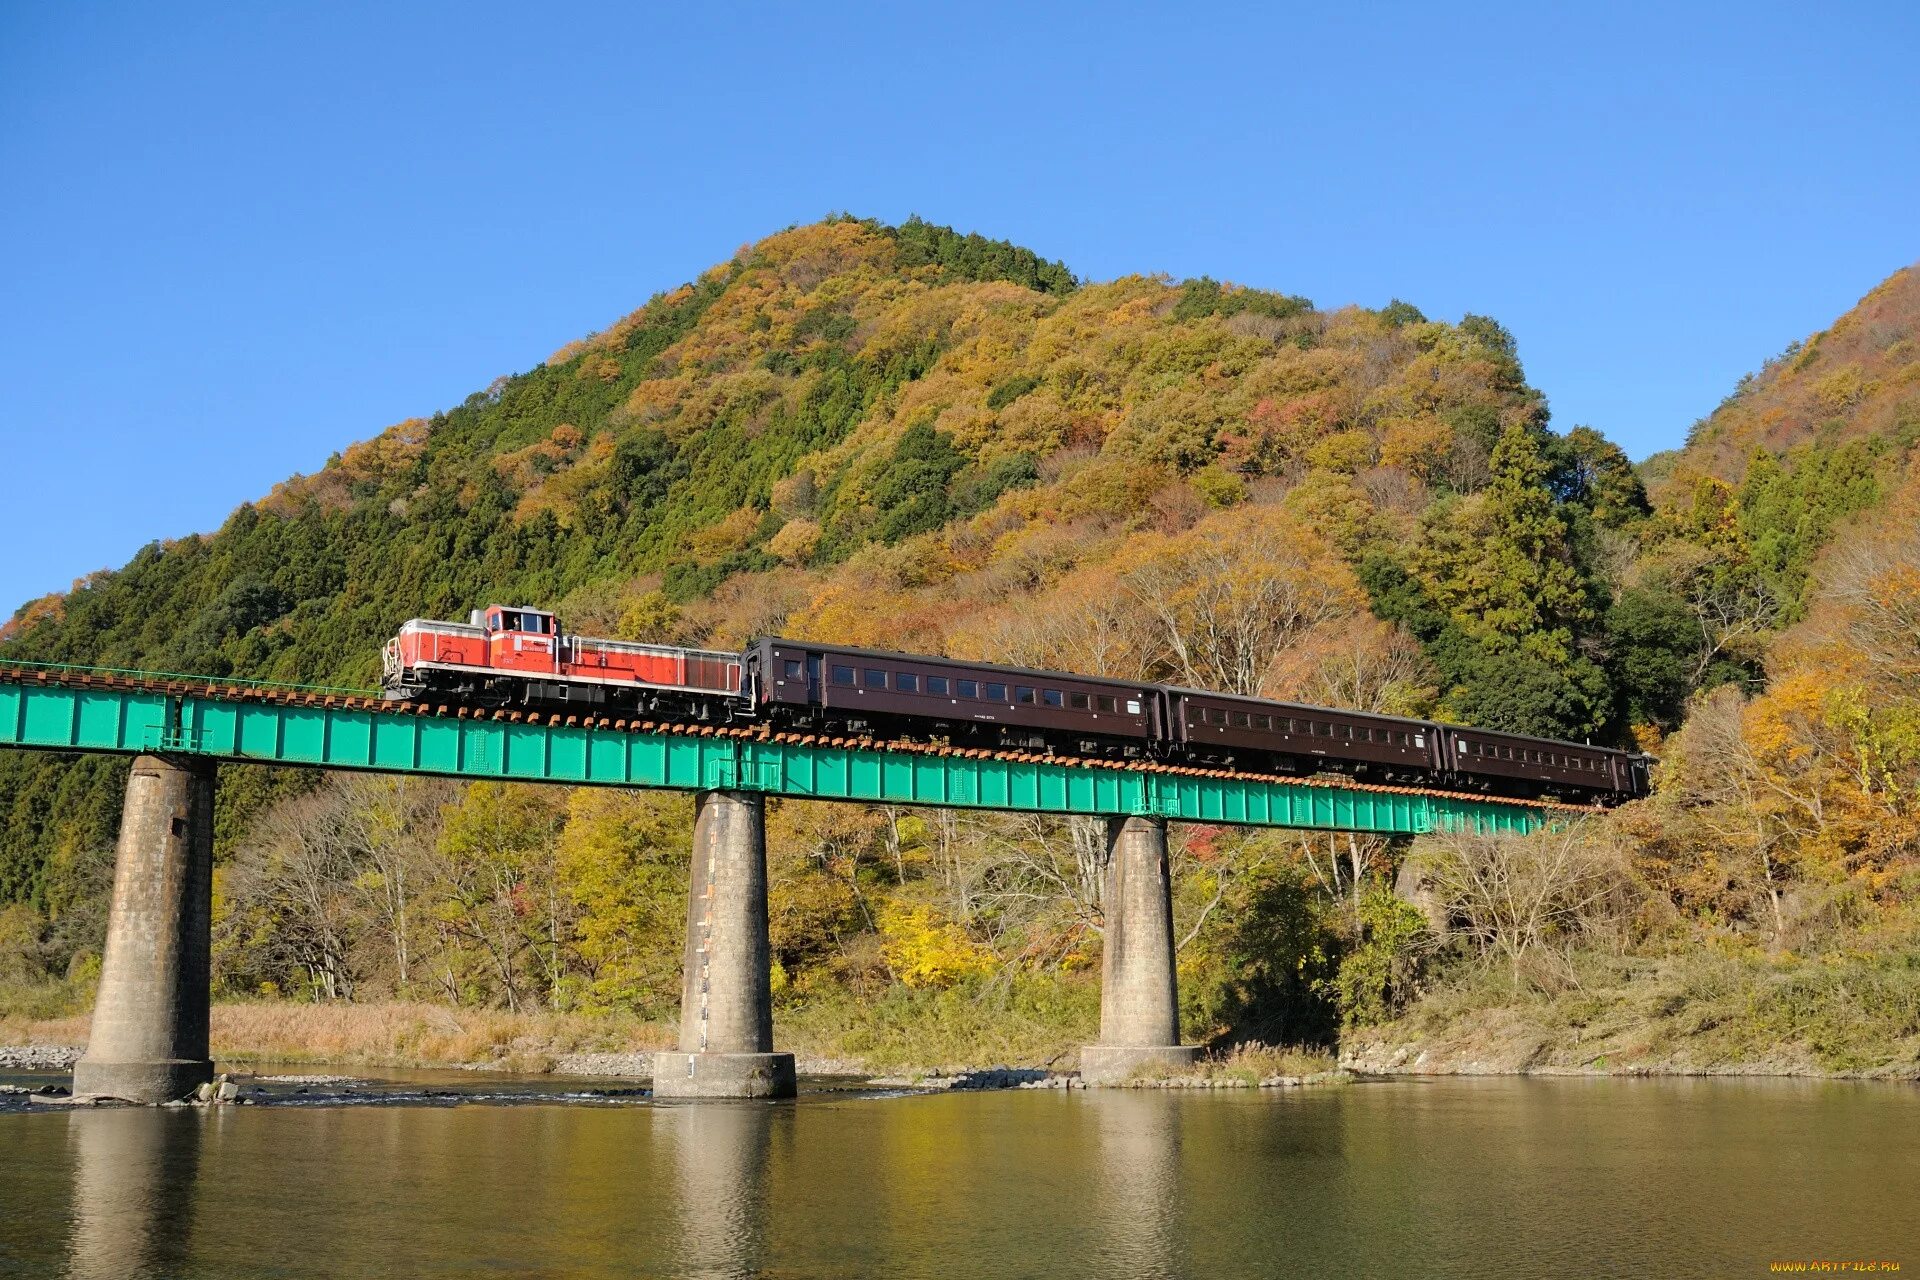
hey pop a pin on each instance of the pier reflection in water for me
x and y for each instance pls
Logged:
(135, 1172)
(719, 1156)
(1140, 1188)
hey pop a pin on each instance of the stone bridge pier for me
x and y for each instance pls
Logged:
(149, 1036)
(1139, 999)
(726, 995)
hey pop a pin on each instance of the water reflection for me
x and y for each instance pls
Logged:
(719, 1153)
(1139, 1180)
(133, 1190)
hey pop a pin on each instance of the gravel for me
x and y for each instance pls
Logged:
(38, 1057)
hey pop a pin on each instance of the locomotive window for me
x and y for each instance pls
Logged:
(1102, 702)
(794, 668)
(843, 675)
(1052, 698)
(996, 693)
(906, 682)
(1022, 694)
(1079, 702)
(876, 678)
(969, 688)
(936, 684)
(1241, 720)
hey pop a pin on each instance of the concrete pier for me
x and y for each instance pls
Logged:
(1139, 1001)
(149, 1037)
(726, 996)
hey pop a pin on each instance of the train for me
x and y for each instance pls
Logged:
(518, 657)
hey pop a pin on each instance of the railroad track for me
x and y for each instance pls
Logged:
(363, 700)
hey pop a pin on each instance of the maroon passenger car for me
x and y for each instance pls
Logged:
(846, 690)
(1287, 737)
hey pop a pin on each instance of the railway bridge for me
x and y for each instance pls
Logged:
(149, 1041)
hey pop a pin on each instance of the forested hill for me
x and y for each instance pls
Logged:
(932, 440)
(849, 427)
(1854, 381)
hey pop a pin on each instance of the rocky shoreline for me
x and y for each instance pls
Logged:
(1356, 1061)
(38, 1057)
(640, 1066)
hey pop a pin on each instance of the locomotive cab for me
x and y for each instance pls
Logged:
(520, 639)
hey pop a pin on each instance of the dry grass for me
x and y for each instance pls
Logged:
(389, 1034)
(1249, 1064)
(1262, 1061)
(21, 1029)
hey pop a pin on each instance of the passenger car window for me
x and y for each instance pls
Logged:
(1022, 694)
(1241, 720)
(1078, 701)
(843, 675)
(969, 688)
(1052, 698)
(936, 684)
(996, 693)
(876, 678)
(794, 668)
(906, 682)
(1133, 706)
(1102, 702)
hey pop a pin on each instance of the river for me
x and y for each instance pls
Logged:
(441, 1175)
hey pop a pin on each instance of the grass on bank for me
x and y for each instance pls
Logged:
(1853, 1012)
(387, 1033)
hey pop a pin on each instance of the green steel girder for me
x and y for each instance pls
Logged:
(63, 718)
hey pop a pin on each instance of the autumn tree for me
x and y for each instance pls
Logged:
(1228, 598)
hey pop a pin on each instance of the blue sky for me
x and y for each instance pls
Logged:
(235, 241)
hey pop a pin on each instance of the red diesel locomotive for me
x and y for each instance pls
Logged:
(505, 656)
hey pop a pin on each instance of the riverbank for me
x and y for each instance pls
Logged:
(403, 1035)
(1853, 1016)
(1689, 1014)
